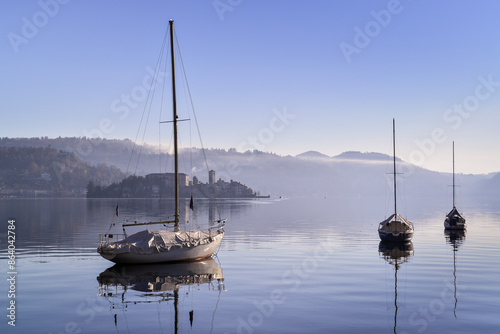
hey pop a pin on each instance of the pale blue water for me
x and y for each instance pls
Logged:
(289, 266)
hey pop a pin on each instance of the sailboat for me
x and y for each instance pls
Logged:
(158, 246)
(395, 228)
(454, 220)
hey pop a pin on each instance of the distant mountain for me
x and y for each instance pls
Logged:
(348, 155)
(356, 155)
(312, 154)
(350, 174)
(489, 186)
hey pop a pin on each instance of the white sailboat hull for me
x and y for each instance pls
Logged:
(174, 254)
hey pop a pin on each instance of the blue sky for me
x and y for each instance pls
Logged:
(279, 76)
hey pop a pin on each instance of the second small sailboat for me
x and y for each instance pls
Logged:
(454, 220)
(395, 228)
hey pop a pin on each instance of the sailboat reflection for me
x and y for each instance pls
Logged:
(396, 253)
(455, 238)
(157, 283)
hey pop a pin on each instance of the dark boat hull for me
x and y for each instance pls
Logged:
(395, 237)
(454, 221)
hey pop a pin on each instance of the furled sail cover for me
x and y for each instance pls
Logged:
(397, 217)
(149, 242)
(454, 213)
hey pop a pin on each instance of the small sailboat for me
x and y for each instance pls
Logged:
(454, 220)
(165, 245)
(395, 228)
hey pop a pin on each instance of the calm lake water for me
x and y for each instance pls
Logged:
(284, 266)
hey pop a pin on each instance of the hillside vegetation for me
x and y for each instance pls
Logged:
(47, 171)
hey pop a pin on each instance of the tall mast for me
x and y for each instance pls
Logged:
(453, 148)
(394, 161)
(174, 102)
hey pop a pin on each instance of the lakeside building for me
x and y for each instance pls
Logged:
(158, 185)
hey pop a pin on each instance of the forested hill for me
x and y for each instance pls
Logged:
(350, 174)
(92, 150)
(45, 171)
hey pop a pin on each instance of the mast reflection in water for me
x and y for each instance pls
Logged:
(455, 238)
(396, 253)
(156, 283)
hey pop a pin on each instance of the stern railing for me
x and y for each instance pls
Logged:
(106, 238)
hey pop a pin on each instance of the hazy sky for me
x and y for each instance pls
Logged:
(278, 76)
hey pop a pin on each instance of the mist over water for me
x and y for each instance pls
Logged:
(285, 265)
